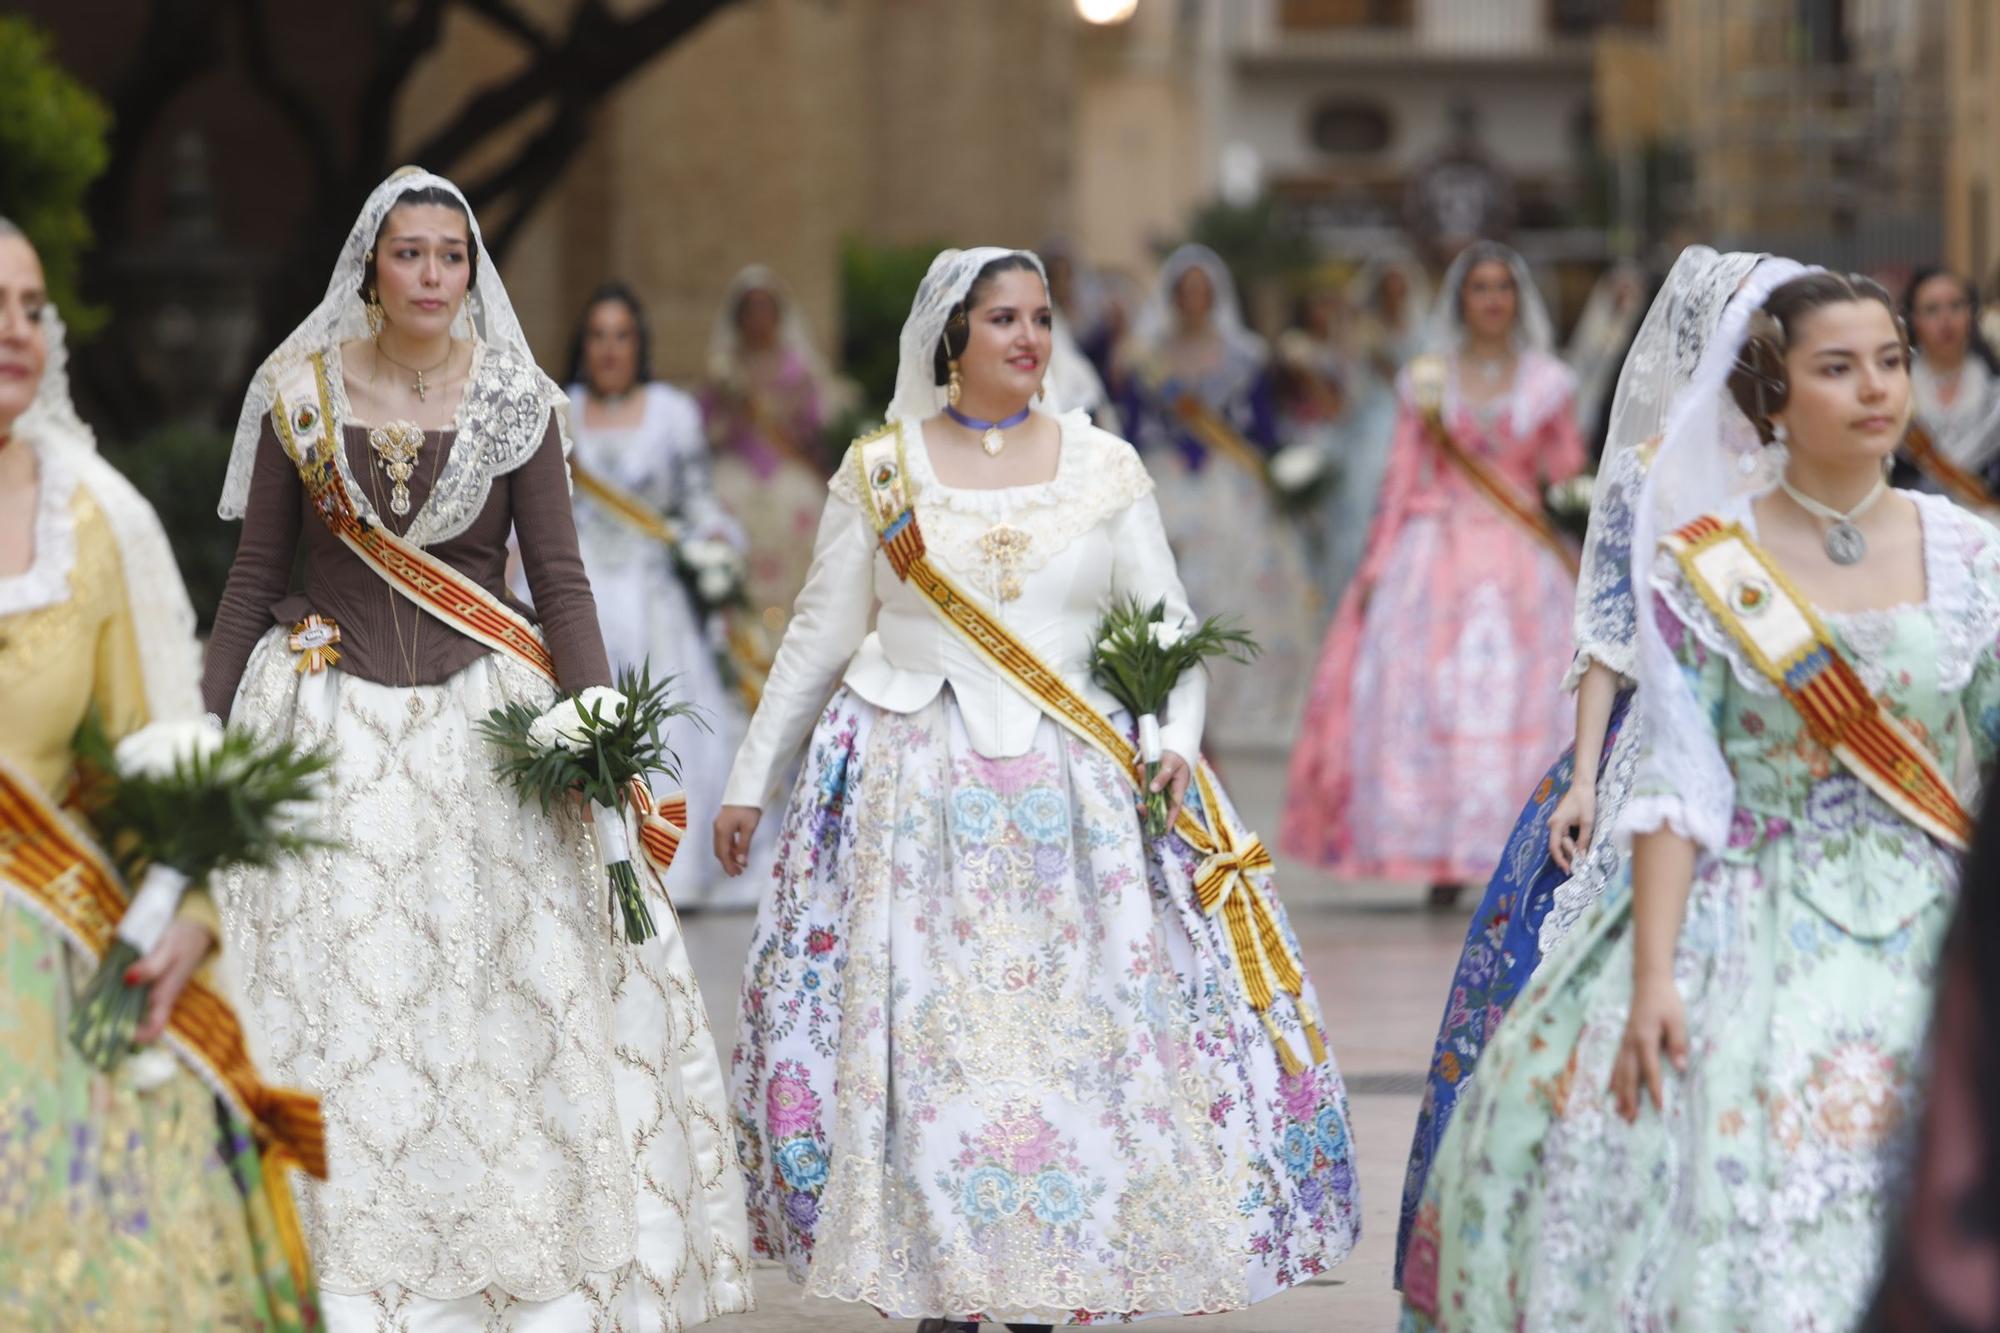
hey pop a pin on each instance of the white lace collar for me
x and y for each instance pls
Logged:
(45, 582)
(1961, 597)
(1968, 404)
(500, 423)
(1097, 476)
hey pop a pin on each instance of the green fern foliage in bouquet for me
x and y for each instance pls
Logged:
(1138, 659)
(175, 803)
(594, 745)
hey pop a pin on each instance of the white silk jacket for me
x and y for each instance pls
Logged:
(1044, 560)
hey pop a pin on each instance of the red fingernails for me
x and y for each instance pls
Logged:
(132, 975)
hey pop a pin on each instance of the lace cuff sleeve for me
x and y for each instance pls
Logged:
(1683, 783)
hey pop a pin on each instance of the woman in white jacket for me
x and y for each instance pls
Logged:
(1058, 1100)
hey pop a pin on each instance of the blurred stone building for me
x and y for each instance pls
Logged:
(783, 126)
(1816, 128)
(780, 128)
(1972, 177)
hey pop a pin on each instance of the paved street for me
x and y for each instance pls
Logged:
(1380, 962)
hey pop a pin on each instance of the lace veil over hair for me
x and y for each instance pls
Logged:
(163, 618)
(1364, 289)
(1709, 458)
(1444, 334)
(487, 316)
(1157, 317)
(1534, 333)
(918, 395)
(1660, 365)
(725, 342)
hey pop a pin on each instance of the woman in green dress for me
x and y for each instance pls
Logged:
(1693, 1118)
(134, 1199)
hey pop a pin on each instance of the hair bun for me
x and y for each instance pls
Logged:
(1758, 381)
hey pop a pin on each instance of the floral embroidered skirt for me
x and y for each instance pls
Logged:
(1760, 1198)
(1502, 949)
(1054, 1102)
(133, 1200)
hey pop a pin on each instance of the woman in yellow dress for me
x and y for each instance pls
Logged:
(135, 1199)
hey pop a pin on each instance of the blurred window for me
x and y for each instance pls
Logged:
(1345, 125)
(1311, 14)
(1579, 18)
(1822, 31)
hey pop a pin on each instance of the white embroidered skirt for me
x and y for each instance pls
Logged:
(1054, 1102)
(523, 1114)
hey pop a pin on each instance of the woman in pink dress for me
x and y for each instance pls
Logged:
(1438, 695)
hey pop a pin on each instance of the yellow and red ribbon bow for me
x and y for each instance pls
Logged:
(662, 824)
(1222, 883)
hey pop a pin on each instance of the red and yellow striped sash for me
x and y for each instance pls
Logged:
(629, 508)
(51, 868)
(303, 415)
(1961, 485)
(1789, 645)
(1217, 435)
(1230, 857)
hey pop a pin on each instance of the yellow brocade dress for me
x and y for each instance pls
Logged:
(134, 1200)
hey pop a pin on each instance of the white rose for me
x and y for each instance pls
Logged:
(156, 751)
(542, 734)
(706, 553)
(606, 702)
(714, 583)
(1297, 466)
(1167, 636)
(562, 727)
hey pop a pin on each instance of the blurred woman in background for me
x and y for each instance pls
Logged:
(1954, 443)
(661, 552)
(1198, 404)
(1437, 699)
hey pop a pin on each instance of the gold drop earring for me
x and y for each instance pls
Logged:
(955, 388)
(371, 306)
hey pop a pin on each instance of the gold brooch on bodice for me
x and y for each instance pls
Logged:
(1004, 549)
(396, 447)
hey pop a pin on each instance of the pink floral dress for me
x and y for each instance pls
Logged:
(1438, 697)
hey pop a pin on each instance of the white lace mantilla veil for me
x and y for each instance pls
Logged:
(1660, 364)
(163, 619)
(918, 395)
(1709, 461)
(725, 344)
(506, 382)
(1534, 331)
(1157, 316)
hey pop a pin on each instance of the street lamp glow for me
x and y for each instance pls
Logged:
(1106, 12)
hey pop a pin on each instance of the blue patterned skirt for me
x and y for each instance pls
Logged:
(1500, 955)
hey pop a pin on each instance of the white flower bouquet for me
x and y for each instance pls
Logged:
(1568, 503)
(174, 803)
(1301, 476)
(595, 745)
(1140, 657)
(716, 574)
